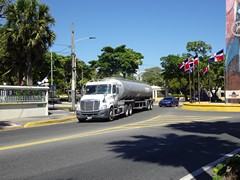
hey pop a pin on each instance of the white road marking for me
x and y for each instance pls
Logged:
(209, 166)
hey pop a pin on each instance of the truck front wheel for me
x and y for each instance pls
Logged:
(111, 114)
(130, 109)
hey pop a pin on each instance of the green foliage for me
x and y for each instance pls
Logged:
(229, 168)
(3, 5)
(178, 82)
(117, 61)
(175, 79)
(199, 47)
(27, 35)
(153, 76)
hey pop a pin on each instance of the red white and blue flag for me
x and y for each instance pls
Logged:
(195, 59)
(216, 57)
(45, 80)
(189, 66)
(205, 70)
(183, 64)
(22, 82)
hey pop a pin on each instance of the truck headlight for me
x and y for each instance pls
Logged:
(104, 107)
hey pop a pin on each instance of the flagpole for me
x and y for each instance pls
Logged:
(193, 87)
(209, 87)
(198, 82)
(190, 100)
(225, 95)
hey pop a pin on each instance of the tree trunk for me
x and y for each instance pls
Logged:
(29, 70)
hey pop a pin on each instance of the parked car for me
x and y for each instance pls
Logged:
(168, 101)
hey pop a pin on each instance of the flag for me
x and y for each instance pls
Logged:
(22, 82)
(183, 64)
(205, 70)
(45, 80)
(216, 57)
(195, 59)
(189, 66)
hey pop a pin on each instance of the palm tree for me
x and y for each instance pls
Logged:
(28, 34)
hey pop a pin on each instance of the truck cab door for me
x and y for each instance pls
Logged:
(115, 93)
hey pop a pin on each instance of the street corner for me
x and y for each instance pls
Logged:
(49, 122)
(8, 125)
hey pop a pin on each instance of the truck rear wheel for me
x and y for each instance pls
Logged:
(126, 110)
(111, 114)
(150, 105)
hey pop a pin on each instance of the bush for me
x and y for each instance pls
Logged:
(228, 169)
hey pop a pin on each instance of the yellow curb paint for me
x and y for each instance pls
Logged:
(211, 107)
(48, 122)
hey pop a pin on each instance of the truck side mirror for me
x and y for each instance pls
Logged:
(114, 89)
(83, 90)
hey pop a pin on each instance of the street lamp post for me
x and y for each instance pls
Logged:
(73, 89)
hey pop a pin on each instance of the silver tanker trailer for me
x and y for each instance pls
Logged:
(111, 97)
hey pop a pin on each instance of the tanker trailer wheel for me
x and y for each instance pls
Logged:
(130, 109)
(126, 110)
(150, 105)
(111, 114)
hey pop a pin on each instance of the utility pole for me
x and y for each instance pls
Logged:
(73, 92)
(52, 81)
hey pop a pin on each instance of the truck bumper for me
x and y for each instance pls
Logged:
(101, 114)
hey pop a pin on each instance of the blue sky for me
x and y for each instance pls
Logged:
(155, 28)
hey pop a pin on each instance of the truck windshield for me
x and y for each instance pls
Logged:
(98, 89)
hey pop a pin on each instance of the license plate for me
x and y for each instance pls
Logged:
(89, 117)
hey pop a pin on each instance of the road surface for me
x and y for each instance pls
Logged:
(164, 143)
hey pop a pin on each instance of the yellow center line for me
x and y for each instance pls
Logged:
(137, 125)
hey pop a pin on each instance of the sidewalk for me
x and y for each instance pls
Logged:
(58, 113)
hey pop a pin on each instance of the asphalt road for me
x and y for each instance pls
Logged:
(162, 144)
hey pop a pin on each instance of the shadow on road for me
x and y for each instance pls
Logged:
(189, 151)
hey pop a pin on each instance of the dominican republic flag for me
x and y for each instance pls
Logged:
(216, 57)
(195, 59)
(183, 64)
(45, 80)
(22, 82)
(189, 66)
(205, 70)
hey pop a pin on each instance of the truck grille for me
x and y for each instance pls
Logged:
(89, 105)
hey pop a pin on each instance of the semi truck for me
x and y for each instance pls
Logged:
(111, 97)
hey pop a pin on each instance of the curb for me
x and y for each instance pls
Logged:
(211, 107)
(48, 122)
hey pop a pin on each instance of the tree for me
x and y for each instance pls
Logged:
(28, 34)
(202, 49)
(117, 61)
(213, 81)
(3, 5)
(176, 80)
(199, 47)
(153, 76)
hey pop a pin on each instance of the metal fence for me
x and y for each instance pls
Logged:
(15, 94)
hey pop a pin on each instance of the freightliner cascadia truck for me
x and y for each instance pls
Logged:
(111, 97)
